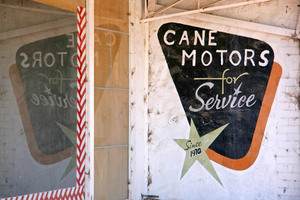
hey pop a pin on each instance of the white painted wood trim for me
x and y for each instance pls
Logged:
(213, 3)
(297, 34)
(89, 189)
(243, 24)
(233, 23)
(151, 4)
(138, 101)
(164, 8)
(207, 9)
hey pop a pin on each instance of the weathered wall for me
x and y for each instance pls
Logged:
(275, 173)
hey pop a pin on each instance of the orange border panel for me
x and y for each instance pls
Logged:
(250, 157)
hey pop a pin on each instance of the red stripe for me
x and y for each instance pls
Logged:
(81, 101)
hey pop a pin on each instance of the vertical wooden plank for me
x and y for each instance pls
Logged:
(120, 64)
(139, 75)
(111, 66)
(89, 189)
(111, 99)
(103, 58)
(110, 179)
(111, 113)
(112, 15)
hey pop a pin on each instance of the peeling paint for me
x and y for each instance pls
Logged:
(149, 178)
(149, 136)
(174, 119)
(131, 128)
(132, 104)
(132, 71)
(295, 97)
(166, 120)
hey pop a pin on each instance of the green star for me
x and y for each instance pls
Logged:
(73, 138)
(195, 148)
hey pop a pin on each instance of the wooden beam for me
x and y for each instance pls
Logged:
(243, 24)
(213, 3)
(54, 12)
(162, 9)
(200, 15)
(151, 4)
(209, 9)
(70, 5)
(38, 28)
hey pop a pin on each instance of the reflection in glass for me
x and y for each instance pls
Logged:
(37, 98)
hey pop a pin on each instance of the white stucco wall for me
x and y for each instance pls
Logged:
(274, 175)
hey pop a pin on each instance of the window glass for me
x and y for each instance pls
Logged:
(111, 99)
(37, 98)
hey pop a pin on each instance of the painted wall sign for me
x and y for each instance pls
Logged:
(44, 80)
(222, 79)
